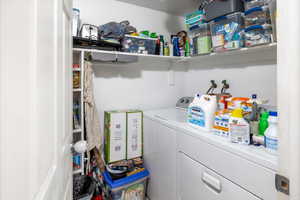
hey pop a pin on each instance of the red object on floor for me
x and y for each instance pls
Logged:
(98, 197)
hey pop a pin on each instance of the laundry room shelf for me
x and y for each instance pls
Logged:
(77, 131)
(117, 57)
(78, 171)
(264, 54)
(249, 55)
(77, 90)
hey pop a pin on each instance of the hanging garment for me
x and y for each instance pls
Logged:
(92, 124)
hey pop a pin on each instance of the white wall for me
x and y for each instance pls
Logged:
(244, 81)
(102, 11)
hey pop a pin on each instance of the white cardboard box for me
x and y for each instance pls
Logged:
(134, 134)
(115, 136)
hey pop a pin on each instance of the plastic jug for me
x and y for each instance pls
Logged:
(239, 128)
(201, 111)
(271, 136)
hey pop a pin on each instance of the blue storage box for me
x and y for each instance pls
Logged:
(227, 32)
(128, 188)
(257, 16)
(194, 19)
(140, 45)
(258, 35)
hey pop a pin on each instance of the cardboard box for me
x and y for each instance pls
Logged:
(134, 134)
(115, 136)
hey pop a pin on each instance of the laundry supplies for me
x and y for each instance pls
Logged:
(271, 135)
(239, 128)
(201, 111)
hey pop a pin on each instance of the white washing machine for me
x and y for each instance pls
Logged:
(188, 164)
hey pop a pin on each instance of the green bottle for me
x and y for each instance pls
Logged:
(263, 123)
(187, 48)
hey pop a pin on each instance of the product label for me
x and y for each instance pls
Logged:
(196, 116)
(271, 143)
(239, 133)
(204, 44)
(218, 40)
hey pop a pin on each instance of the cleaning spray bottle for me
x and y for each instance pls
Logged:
(201, 111)
(239, 128)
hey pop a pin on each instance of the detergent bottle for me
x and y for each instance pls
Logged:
(263, 123)
(239, 128)
(201, 111)
(271, 136)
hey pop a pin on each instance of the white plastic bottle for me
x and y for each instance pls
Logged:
(271, 135)
(201, 111)
(239, 128)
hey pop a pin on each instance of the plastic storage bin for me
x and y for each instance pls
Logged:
(83, 188)
(139, 45)
(254, 3)
(131, 187)
(227, 32)
(273, 13)
(219, 8)
(194, 19)
(201, 37)
(257, 16)
(258, 34)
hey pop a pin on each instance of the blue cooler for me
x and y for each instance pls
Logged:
(128, 188)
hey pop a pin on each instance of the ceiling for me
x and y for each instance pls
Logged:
(176, 7)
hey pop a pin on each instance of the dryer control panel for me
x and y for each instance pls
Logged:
(184, 102)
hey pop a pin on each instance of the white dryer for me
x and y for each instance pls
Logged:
(186, 163)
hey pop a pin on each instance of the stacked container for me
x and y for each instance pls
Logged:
(227, 32)
(258, 22)
(140, 45)
(258, 34)
(254, 3)
(194, 19)
(201, 38)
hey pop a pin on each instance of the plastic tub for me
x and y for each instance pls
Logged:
(258, 35)
(257, 16)
(227, 32)
(254, 3)
(83, 188)
(131, 187)
(139, 45)
(273, 13)
(219, 8)
(194, 19)
(201, 37)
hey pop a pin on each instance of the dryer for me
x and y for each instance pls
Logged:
(187, 163)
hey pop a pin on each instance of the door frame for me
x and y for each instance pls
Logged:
(288, 95)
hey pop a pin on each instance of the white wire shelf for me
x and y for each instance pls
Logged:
(77, 131)
(257, 54)
(77, 89)
(77, 171)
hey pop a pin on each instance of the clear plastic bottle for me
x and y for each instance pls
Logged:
(271, 135)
